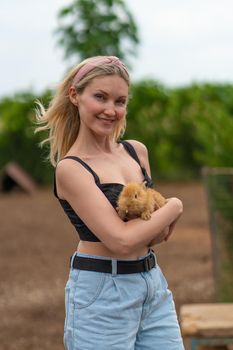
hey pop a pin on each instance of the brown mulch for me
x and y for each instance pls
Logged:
(37, 241)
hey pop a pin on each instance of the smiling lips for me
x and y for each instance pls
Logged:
(106, 119)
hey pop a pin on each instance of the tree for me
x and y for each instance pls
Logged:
(92, 28)
(17, 139)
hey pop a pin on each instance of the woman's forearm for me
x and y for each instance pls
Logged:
(138, 232)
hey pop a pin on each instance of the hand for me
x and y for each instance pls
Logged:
(160, 237)
(171, 228)
(167, 231)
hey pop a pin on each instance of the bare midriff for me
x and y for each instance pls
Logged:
(99, 249)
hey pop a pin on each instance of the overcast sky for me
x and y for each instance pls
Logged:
(181, 41)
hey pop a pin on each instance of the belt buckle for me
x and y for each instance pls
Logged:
(149, 262)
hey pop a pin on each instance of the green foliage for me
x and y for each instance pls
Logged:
(146, 122)
(214, 127)
(91, 28)
(184, 129)
(17, 139)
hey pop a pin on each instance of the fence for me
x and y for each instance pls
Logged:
(219, 188)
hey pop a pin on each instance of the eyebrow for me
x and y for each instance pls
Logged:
(104, 92)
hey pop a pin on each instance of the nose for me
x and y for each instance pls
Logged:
(110, 110)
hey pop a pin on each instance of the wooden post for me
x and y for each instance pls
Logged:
(219, 189)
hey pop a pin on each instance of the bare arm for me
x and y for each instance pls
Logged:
(77, 186)
(143, 156)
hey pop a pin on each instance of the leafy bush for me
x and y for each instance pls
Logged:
(17, 139)
(184, 129)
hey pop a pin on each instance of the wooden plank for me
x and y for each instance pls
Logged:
(207, 320)
(18, 176)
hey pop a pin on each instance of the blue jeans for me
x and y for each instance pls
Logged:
(107, 311)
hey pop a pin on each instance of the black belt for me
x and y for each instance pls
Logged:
(120, 266)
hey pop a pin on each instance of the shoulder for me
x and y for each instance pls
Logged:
(70, 172)
(142, 153)
(66, 167)
(141, 150)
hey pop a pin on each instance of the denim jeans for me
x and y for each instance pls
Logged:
(107, 311)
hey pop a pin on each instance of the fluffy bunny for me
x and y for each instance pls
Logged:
(137, 200)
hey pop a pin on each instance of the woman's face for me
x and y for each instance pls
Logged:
(102, 104)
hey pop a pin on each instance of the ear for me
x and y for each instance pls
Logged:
(73, 95)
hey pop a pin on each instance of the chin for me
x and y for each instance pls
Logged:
(105, 132)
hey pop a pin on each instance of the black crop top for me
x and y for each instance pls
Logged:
(110, 190)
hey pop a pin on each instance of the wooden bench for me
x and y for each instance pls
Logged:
(207, 324)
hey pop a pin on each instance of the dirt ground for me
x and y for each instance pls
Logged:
(37, 241)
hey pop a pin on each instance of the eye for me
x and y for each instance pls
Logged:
(100, 97)
(121, 102)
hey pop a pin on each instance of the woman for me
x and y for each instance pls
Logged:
(116, 294)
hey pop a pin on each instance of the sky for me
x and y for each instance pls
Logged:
(181, 41)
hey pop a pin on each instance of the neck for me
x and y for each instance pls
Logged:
(91, 144)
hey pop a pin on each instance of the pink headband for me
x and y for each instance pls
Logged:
(97, 61)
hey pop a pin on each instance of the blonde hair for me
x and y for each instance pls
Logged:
(61, 118)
